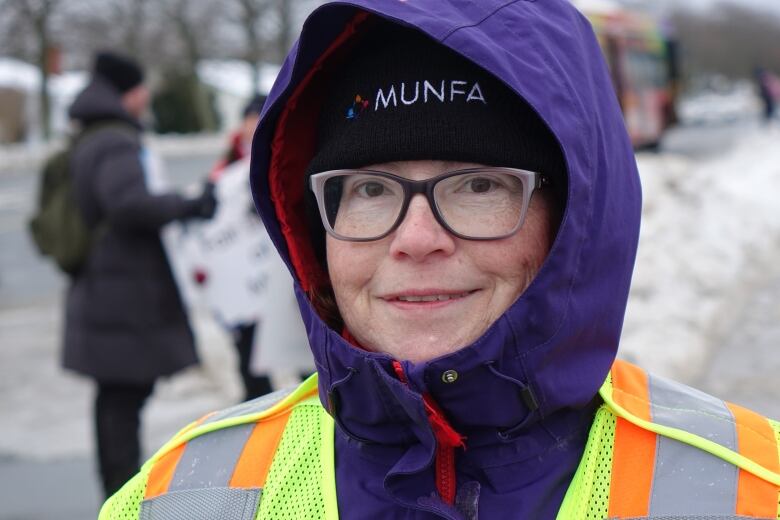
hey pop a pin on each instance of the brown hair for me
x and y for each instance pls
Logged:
(323, 300)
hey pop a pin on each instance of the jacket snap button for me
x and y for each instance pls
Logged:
(449, 376)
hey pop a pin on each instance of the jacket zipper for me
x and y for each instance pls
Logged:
(447, 439)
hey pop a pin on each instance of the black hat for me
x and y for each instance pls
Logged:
(402, 96)
(255, 105)
(122, 72)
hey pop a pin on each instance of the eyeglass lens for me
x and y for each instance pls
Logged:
(477, 204)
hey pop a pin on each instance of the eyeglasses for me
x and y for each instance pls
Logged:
(474, 204)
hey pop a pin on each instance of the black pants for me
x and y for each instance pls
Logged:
(117, 425)
(254, 385)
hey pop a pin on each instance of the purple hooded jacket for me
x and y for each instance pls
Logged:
(526, 390)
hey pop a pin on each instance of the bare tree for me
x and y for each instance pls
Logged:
(35, 18)
(250, 14)
(729, 39)
(268, 27)
(195, 24)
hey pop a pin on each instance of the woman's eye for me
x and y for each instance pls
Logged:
(479, 185)
(371, 189)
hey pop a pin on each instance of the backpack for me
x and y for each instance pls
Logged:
(58, 227)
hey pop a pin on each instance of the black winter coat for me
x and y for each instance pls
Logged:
(125, 322)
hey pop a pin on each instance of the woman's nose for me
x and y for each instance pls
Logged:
(420, 234)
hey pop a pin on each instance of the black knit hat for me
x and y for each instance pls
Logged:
(254, 106)
(122, 72)
(402, 96)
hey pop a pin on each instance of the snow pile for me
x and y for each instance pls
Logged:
(17, 74)
(62, 88)
(731, 103)
(708, 231)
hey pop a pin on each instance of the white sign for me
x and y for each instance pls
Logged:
(229, 264)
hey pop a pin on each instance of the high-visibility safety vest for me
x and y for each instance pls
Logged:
(657, 450)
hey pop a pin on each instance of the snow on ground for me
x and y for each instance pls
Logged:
(62, 88)
(728, 102)
(708, 231)
(47, 412)
(708, 228)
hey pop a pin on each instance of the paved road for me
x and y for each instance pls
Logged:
(48, 490)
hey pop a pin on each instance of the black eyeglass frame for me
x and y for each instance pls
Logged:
(531, 182)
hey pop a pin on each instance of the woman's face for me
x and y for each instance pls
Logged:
(474, 281)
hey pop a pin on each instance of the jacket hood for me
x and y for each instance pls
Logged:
(553, 347)
(99, 101)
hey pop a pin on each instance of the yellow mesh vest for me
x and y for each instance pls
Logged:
(301, 480)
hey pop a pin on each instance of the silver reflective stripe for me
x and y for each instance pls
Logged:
(209, 460)
(203, 504)
(257, 405)
(696, 517)
(688, 480)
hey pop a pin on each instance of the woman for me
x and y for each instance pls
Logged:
(243, 334)
(453, 188)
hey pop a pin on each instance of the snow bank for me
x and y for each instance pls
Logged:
(708, 230)
(739, 101)
(62, 88)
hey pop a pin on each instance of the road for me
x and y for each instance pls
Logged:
(46, 469)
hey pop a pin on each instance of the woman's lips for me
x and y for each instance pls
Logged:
(431, 297)
(427, 299)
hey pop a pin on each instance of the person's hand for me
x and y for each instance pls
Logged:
(205, 206)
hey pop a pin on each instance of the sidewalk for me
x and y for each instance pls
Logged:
(47, 469)
(51, 490)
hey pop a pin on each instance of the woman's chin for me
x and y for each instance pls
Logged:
(423, 346)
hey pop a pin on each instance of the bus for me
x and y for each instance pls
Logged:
(642, 56)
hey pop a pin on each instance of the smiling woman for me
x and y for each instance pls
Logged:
(420, 292)
(462, 266)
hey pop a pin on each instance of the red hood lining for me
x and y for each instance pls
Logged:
(292, 148)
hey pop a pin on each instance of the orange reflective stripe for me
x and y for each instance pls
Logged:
(756, 441)
(255, 460)
(633, 460)
(633, 455)
(162, 472)
(630, 389)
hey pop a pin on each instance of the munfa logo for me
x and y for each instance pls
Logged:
(425, 91)
(359, 105)
(419, 92)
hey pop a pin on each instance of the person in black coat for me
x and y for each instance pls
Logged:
(125, 325)
(764, 82)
